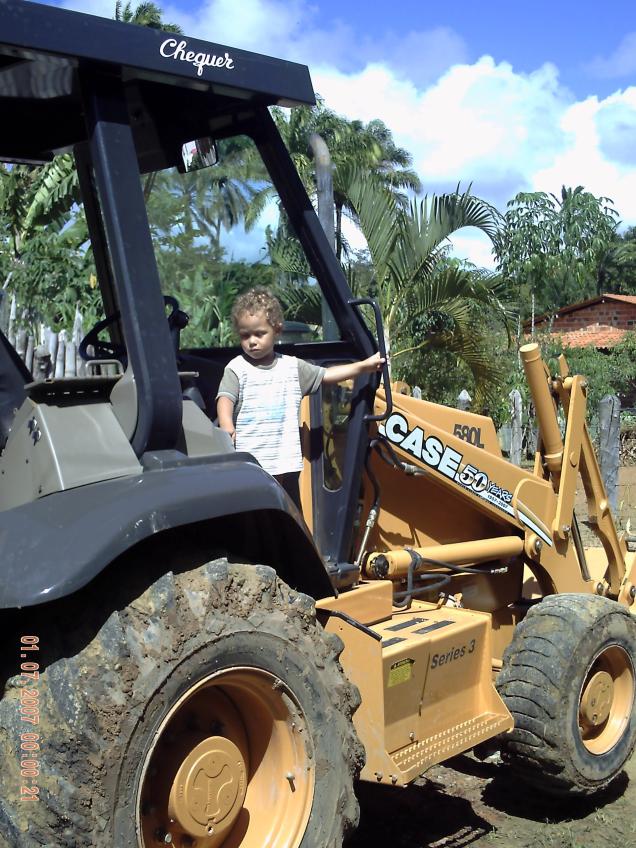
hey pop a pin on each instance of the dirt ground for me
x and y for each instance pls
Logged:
(476, 804)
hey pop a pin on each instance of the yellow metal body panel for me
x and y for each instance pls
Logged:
(367, 603)
(424, 675)
(465, 493)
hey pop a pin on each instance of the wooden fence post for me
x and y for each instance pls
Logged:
(13, 311)
(60, 355)
(51, 342)
(76, 337)
(463, 400)
(609, 420)
(21, 344)
(41, 363)
(5, 305)
(70, 364)
(515, 426)
(28, 359)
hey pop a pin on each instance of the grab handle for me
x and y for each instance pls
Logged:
(386, 379)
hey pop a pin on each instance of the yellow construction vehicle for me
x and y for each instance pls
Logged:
(473, 565)
(186, 659)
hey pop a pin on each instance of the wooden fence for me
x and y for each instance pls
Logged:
(50, 354)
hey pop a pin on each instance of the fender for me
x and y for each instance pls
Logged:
(54, 546)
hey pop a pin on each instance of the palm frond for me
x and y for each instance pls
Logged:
(300, 302)
(57, 189)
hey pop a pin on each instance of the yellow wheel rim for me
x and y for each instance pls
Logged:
(606, 700)
(231, 765)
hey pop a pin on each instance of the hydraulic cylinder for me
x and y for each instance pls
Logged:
(538, 382)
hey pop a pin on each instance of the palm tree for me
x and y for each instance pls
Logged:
(205, 202)
(426, 299)
(31, 198)
(351, 143)
(146, 14)
(36, 203)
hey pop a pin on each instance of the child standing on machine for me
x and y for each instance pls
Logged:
(259, 397)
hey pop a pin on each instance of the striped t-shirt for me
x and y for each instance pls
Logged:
(266, 406)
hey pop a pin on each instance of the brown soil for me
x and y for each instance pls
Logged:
(470, 803)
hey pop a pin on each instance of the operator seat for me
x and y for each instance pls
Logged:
(14, 375)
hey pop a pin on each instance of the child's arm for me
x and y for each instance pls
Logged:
(225, 411)
(337, 373)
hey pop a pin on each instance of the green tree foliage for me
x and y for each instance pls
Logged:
(617, 271)
(609, 372)
(427, 300)
(369, 147)
(187, 214)
(45, 259)
(553, 247)
(207, 296)
(145, 14)
(44, 263)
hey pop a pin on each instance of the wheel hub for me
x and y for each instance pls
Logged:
(209, 789)
(597, 699)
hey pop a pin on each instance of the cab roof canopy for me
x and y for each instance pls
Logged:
(176, 88)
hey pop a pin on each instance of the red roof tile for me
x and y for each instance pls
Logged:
(596, 335)
(627, 298)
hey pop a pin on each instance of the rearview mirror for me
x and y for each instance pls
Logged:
(198, 154)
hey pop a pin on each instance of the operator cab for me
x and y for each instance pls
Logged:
(139, 108)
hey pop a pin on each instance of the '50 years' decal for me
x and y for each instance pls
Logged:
(434, 453)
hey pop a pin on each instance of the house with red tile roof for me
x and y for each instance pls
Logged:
(599, 322)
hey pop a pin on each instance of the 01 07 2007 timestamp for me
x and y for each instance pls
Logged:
(29, 714)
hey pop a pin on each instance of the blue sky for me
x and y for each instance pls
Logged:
(502, 94)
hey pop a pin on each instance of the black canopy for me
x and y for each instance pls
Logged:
(174, 84)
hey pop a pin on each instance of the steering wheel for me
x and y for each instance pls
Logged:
(177, 320)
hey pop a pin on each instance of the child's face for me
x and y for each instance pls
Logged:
(257, 336)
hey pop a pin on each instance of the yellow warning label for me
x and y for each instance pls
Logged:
(400, 672)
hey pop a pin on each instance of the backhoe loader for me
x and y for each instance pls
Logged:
(187, 659)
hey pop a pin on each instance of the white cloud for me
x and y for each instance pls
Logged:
(500, 130)
(259, 25)
(474, 246)
(616, 126)
(622, 62)
(477, 122)
(292, 29)
(482, 123)
(596, 155)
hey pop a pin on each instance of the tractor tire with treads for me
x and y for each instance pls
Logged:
(209, 710)
(569, 680)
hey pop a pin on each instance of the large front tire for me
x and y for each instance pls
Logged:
(210, 711)
(569, 680)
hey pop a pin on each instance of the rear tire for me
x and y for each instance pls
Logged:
(212, 704)
(569, 680)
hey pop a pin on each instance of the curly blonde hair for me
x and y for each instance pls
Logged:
(258, 300)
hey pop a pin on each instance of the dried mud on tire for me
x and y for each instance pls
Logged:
(469, 803)
(102, 701)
